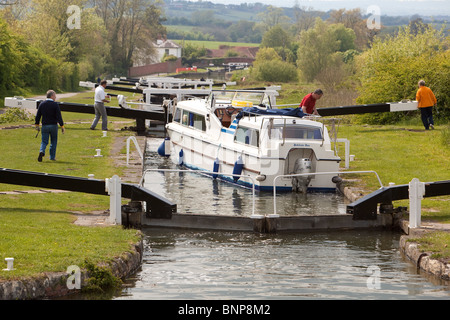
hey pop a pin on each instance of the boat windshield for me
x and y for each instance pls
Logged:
(250, 97)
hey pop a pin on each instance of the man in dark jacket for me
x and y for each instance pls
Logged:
(51, 117)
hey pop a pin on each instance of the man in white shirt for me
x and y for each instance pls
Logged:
(100, 111)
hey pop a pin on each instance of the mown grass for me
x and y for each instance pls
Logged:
(42, 238)
(75, 152)
(37, 230)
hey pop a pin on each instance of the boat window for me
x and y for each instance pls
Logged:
(253, 97)
(185, 118)
(199, 121)
(302, 132)
(247, 136)
(194, 120)
(177, 116)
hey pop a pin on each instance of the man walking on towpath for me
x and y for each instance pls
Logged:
(100, 111)
(426, 100)
(308, 103)
(51, 116)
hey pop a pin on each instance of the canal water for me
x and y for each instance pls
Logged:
(193, 264)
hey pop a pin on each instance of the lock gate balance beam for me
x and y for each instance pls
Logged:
(156, 206)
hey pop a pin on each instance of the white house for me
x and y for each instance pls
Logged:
(166, 47)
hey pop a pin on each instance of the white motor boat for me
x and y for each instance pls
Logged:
(237, 136)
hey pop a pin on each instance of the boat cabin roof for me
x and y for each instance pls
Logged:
(235, 101)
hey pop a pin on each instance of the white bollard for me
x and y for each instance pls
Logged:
(114, 187)
(9, 264)
(98, 153)
(416, 193)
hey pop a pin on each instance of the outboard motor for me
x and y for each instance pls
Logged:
(300, 183)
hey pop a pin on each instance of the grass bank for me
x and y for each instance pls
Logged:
(37, 229)
(399, 153)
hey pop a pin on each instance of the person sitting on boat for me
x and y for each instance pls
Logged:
(308, 103)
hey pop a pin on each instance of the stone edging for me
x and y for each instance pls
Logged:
(53, 284)
(422, 260)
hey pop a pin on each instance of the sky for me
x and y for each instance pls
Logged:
(386, 7)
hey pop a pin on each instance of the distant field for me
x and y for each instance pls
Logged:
(216, 44)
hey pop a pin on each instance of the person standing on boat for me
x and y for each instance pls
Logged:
(308, 103)
(51, 115)
(426, 100)
(100, 111)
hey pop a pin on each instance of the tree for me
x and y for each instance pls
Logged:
(268, 66)
(131, 25)
(271, 17)
(24, 66)
(191, 53)
(47, 29)
(276, 37)
(244, 31)
(304, 18)
(390, 70)
(10, 60)
(318, 47)
(353, 19)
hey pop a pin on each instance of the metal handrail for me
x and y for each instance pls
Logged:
(137, 148)
(208, 173)
(310, 174)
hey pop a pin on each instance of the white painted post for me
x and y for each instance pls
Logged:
(416, 193)
(347, 151)
(114, 187)
(9, 264)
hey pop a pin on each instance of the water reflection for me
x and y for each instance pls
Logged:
(231, 265)
(200, 194)
(189, 264)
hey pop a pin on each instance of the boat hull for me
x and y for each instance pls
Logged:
(264, 171)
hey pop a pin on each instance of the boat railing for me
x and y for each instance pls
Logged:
(310, 174)
(207, 173)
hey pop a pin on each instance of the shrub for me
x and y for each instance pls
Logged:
(390, 70)
(12, 115)
(268, 66)
(276, 71)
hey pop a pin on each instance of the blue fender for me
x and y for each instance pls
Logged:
(162, 148)
(181, 157)
(238, 165)
(216, 168)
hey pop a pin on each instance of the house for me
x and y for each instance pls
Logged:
(166, 47)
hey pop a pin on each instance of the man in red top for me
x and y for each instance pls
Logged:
(308, 103)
